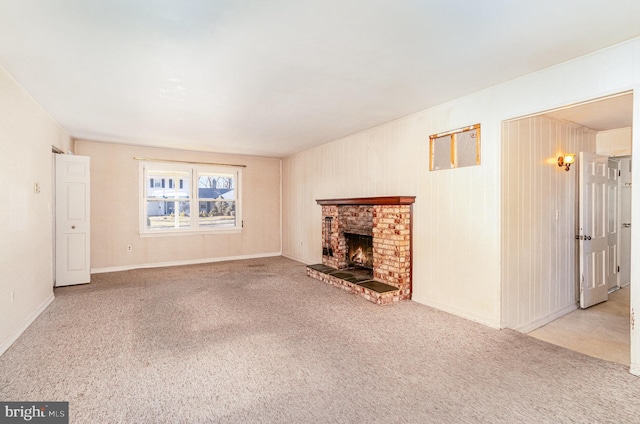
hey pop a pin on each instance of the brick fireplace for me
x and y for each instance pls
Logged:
(366, 247)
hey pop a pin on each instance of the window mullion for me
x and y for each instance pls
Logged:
(194, 203)
(143, 204)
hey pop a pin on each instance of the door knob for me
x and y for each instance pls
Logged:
(73, 227)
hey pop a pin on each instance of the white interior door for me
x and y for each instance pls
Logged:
(624, 257)
(73, 226)
(592, 223)
(613, 172)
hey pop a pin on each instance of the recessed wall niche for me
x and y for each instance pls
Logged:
(455, 149)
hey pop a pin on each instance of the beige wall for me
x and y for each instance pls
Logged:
(26, 136)
(539, 220)
(115, 205)
(458, 223)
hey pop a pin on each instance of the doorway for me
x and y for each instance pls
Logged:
(602, 330)
(540, 272)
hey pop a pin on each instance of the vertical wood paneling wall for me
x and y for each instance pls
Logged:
(538, 220)
(452, 226)
(457, 215)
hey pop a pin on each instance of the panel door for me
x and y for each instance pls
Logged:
(73, 225)
(592, 223)
(613, 224)
(624, 258)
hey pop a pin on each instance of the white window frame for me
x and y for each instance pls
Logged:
(193, 171)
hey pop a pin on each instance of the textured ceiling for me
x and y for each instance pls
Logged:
(275, 77)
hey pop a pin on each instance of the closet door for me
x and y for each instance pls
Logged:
(73, 225)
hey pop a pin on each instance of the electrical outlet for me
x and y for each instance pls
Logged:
(36, 188)
(129, 248)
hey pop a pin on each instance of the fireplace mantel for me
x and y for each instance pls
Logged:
(382, 200)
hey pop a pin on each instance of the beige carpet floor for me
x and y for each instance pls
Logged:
(259, 342)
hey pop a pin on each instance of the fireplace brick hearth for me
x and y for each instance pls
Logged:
(388, 220)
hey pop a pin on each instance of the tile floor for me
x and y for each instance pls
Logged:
(601, 331)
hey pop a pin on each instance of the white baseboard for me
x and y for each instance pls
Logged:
(457, 312)
(184, 262)
(293, 258)
(635, 369)
(6, 344)
(530, 326)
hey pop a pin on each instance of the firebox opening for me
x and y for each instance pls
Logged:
(359, 251)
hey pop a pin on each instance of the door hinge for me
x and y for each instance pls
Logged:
(619, 173)
(618, 268)
(242, 223)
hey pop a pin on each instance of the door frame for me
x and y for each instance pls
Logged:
(54, 151)
(635, 241)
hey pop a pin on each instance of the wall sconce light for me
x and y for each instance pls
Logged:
(566, 160)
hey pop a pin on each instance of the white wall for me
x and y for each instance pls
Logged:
(454, 223)
(538, 220)
(614, 142)
(115, 186)
(26, 136)
(457, 264)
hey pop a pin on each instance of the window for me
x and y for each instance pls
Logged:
(179, 198)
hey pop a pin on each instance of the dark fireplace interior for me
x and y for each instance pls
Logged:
(359, 251)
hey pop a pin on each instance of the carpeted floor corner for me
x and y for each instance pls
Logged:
(257, 341)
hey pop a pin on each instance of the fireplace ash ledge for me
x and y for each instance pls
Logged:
(355, 282)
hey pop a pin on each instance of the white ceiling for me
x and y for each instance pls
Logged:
(275, 77)
(599, 115)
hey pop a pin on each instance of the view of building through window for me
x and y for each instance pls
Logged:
(170, 197)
